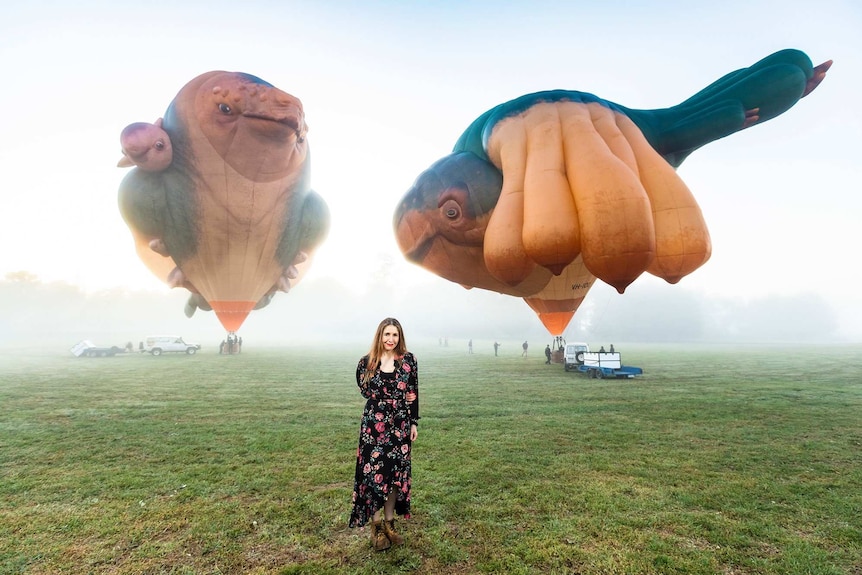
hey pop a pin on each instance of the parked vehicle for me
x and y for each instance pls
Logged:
(87, 348)
(610, 365)
(574, 355)
(159, 344)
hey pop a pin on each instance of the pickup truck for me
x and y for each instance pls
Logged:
(574, 355)
(159, 344)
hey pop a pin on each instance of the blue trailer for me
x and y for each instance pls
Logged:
(87, 348)
(603, 365)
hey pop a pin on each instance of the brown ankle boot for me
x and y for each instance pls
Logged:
(389, 529)
(379, 540)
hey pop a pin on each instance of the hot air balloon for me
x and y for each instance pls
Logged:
(219, 199)
(548, 192)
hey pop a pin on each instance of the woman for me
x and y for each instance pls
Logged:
(389, 379)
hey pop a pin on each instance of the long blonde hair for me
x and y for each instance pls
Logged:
(376, 351)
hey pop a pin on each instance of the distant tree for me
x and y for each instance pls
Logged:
(649, 314)
(796, 318)
(22, 277)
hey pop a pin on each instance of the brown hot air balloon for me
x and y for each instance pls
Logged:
(230, 215)
(547, 192)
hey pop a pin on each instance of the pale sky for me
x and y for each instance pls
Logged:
(389, 86)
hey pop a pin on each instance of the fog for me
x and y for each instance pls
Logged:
(326, 312)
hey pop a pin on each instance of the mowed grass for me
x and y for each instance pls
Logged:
(717, 460)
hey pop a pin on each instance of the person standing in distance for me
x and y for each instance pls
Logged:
(388, 377)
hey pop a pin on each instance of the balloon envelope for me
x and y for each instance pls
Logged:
(233, 214)
(547, 192)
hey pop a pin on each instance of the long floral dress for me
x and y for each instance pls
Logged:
(383, 456)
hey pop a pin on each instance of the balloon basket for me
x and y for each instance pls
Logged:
(231, 345)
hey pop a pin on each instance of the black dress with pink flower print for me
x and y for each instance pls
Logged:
(383, 456)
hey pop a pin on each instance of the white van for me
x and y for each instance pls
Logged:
(574, 355)
(159, 344)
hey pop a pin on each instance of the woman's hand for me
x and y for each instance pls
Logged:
(414, 433)
(410, 397)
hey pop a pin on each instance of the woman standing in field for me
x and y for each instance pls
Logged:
(388, 378)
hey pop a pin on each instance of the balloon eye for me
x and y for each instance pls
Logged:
(224, 109)
(450, 208)
(159, 145)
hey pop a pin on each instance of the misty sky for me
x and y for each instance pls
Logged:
(389, 86)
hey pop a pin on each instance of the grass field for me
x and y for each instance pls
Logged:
(717, 460)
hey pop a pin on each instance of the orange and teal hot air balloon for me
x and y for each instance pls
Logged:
(228, 213)
(547, 192)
